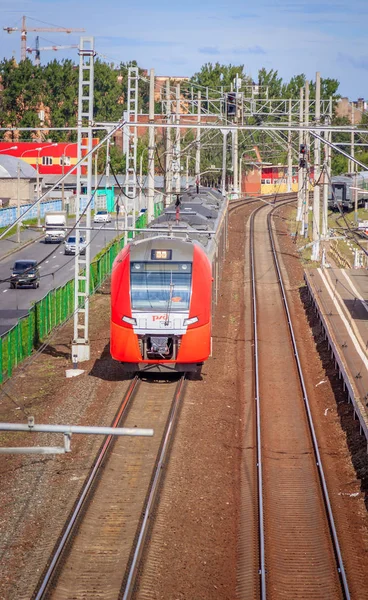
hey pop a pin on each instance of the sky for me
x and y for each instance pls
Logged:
(176, 39)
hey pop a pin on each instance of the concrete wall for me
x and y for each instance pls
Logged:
(9, 189)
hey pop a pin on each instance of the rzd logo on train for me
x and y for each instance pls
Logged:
(159, 317)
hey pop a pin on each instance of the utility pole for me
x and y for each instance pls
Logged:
(62, 183)
(235, 153)
(198, 144)
(130, 183)
(355, 200)
(151, 150)
(107, 179)
(235, 158)
(18, 201)
(38, 189)
(352, 145)
(80, 343)
(317, 168)
(177, 142)
(96, 174)
(224, 133)
(326, 174)
(140, 183)
(299, 216)
(290, 155)
(306, 171)
(168, 150)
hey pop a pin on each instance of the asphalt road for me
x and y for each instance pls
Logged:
(55, 271)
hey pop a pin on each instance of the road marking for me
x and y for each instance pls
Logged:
(54, 256)
(61, 252)
(4, 291)
(46, 261)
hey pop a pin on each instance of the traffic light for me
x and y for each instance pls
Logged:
(303, 156)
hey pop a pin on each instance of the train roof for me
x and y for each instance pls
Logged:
(200, 216)
(341, 179)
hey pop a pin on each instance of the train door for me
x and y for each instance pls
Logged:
(339, 190)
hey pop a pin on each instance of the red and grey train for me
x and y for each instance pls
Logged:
(164, 287)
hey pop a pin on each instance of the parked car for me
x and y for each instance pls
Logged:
(25, 272)
(70, 245)
(102, 216)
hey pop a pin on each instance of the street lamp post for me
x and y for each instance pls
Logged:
(18, 193)
(18, 199)
(63, 157)
(11, 148)
(39, 150)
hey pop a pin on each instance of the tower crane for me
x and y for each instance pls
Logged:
(24, 30)
(37, 50)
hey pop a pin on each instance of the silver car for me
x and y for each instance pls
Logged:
(70, 245)
(102, 216)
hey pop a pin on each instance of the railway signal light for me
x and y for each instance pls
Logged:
(303, 156)
(231, 103)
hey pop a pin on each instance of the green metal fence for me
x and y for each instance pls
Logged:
(54, 309)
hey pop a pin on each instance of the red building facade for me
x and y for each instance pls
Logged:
(53, 158)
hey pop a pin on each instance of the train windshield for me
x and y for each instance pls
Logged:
(160, 286)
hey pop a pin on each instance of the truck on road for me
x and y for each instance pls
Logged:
(55, 227)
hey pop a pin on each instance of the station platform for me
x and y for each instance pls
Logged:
(340, 297)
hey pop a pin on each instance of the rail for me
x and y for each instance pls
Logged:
(262, 556)
(262, 570)
(340, 564)
(92, 522)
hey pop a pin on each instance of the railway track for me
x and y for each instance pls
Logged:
(98, 554)
(292, 528)
(235, 204)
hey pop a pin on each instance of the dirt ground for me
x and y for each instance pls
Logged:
(343, 450)
(200, 504)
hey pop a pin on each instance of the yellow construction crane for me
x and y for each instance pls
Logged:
(24, 29)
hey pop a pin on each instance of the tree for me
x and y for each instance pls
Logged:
(339, 163)
(329, 89)
(292, 89)
(217, 76)
(272, 81)
(21, 94)
(108, 93)
(61, 97)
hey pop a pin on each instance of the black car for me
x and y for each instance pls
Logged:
(25, 272)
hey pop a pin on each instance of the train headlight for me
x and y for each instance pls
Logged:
(129, 320)
(190, 321)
